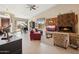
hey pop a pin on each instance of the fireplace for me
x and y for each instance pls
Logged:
(67, 22)
(66, 29)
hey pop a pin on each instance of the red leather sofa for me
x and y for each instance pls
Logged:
(35, 35)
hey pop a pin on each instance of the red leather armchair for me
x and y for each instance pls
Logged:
(35, 35)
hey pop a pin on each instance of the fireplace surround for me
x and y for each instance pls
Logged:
(67, 22)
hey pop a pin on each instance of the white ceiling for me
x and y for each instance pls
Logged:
(20, 10)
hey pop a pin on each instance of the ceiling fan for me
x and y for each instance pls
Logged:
(31, 6)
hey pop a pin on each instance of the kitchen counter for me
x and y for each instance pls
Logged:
(11, 46)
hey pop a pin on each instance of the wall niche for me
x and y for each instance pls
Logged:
(51, 21)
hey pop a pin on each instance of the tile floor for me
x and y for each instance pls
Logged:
(38, 47)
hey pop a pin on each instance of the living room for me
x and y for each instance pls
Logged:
(58, 24)
(39, 28)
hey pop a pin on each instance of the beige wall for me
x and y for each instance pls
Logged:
(60, 9)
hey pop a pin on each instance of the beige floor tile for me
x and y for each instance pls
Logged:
(38, 47)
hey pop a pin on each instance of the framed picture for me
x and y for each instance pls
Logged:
(40, 23)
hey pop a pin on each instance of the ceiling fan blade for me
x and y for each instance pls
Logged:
(29, 5)
(34, 8)
(33, 5)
